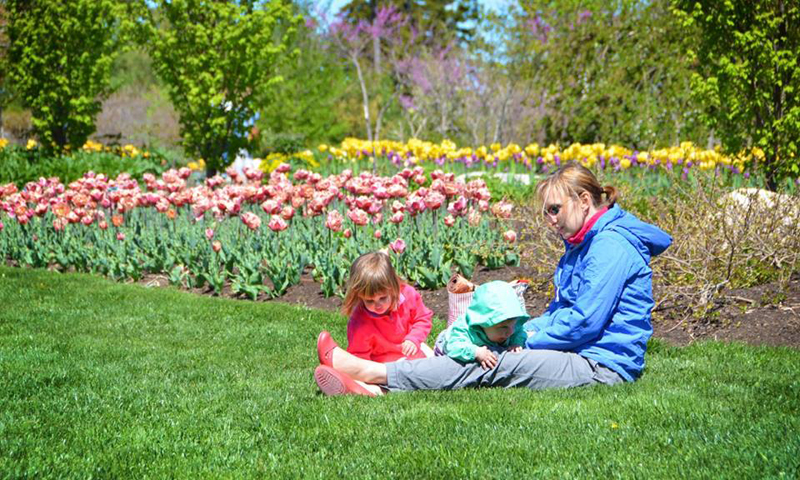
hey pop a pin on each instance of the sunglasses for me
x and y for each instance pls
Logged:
(553, 209)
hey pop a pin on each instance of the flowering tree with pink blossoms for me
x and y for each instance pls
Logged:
(353, 41)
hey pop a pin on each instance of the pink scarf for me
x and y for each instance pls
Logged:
(578, 237)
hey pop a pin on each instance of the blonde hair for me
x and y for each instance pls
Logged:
(370, 274)
(572, 179)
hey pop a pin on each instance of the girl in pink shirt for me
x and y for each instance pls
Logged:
(388, 320)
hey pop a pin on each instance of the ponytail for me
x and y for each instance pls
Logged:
(611, 195)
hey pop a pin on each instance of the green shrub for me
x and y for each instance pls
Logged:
(20, 165)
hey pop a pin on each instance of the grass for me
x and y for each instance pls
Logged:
(99, 379)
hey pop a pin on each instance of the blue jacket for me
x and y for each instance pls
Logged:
(604, 295)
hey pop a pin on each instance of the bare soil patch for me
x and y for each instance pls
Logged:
(762, 315)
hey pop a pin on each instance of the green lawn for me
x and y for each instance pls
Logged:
(99, 379)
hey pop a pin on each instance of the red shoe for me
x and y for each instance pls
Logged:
(333, 382)
(325, 346)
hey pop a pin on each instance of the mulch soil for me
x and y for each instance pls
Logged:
(762, 315)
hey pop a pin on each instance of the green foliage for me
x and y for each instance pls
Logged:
(748, 76)
(109, 380)
(261, 261)
(19, 165)
(308, 104)
(60, 58)
(285, 143)
(216, 57)
(614, 71)
(134, 70)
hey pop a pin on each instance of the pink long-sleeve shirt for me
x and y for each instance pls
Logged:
(379, 337)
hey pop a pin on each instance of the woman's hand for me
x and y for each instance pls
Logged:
(486, 357)
(514, 348)
(409, 348)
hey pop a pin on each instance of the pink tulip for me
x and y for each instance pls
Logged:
(397, 207)
(253, 173)
(510, 236)
(397, 217)
(458, 207)
(277, 224)
(209, 233)
(103, 225)
(216, 245)
(58, 224)
(377, 234)
(483, 205)
(2, 226)
(449, 220)
(287, 212)
(451, 189)
(334, 220)
(397, 190)
(87, 220)
(420, 179)
(358, 216)
(474, 218)
(364, 203)
(347, 233)
(270, 207)
(398, 246)
(252, 220)
(41, 209)
(298, 201)
(434, 200)
(120, 236)
(283, 168)
(502, 209)
(380, 192)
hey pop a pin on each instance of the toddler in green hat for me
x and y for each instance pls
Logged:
(493, 321)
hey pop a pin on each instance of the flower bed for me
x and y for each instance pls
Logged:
(258, 237)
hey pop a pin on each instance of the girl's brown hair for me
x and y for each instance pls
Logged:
(370, 274)
(572, 179)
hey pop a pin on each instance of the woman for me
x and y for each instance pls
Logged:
(594, 331)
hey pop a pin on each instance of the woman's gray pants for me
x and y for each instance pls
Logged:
(534, 369)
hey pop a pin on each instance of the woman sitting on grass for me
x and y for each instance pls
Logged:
(595, 330)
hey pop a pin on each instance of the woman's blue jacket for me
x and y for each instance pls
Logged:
(604, 296)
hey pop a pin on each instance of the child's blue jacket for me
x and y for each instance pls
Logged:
(604, 296)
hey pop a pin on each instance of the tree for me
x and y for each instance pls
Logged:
(435, 82)
(351, 42)
(748, 76)
(60, 57)
(440, 20)
(307, 106)
(607, 71)
(216, 58)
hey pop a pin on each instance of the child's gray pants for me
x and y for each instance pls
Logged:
(535, 369)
